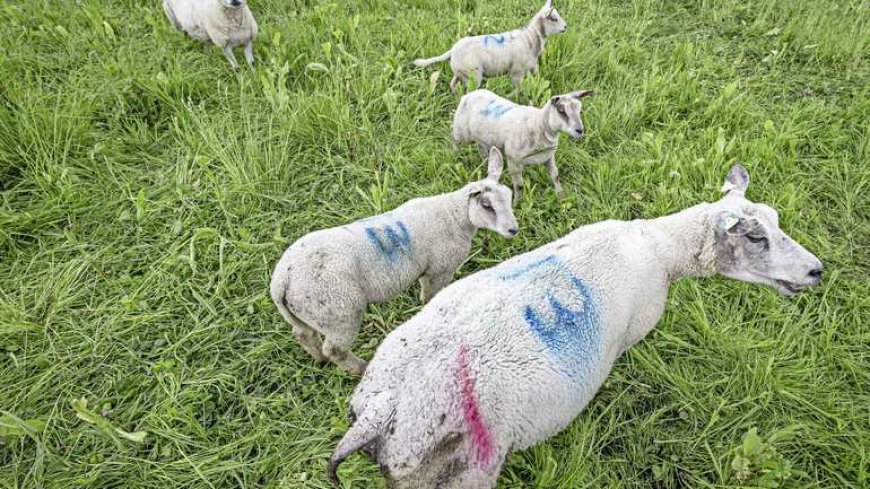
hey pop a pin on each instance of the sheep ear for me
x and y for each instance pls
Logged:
(496, 164)
(582, 93)
(548, 4)
(555, 100)
(737, 181)
(474, 189)
(733, 224)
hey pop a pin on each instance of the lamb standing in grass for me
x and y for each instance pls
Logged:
(526, 135)
(325, 280)
(226, 23)
(515, 52)
(507, 357)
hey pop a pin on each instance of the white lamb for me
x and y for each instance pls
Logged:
(226, 23)
(507, 357)
(515, 52)
(325, 280)
(526, 135)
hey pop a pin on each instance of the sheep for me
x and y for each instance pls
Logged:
(526, 135)
(325, 280)
(515, 52)
(509, 356)
(226, 23)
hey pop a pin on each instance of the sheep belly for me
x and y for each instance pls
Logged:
(496, 54)
(191, 17)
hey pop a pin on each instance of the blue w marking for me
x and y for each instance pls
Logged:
(572, 337)
(391, 240)
(496, 109)
(495, 39)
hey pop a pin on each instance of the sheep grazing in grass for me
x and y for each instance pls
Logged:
(509, 356)
(515, 52)
(226, 23)
(526, 135)
(325, 280)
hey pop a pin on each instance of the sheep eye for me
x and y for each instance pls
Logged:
(561, 109)
(551, 18)
(486, 205)
(756, 239)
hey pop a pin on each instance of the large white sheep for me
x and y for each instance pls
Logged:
(507, 357)
(526, 135)
(515, 52)
(226, 23)
(325, 280)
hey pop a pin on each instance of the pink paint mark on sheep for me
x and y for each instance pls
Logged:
(481, 439)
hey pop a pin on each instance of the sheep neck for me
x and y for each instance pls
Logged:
(550, 135)
(684, 242)
(534, 35)
(458, 222)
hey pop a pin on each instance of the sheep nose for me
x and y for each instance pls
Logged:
(513, 231)
(815, 275)
(579, 131)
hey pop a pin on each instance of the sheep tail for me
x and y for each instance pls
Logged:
(366, 431)
(428, 61)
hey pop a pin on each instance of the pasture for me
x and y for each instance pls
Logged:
(146, 192)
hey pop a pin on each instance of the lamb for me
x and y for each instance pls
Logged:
(509, 356)
(325, 280)
(515, 52)
(526, 135)
(226, 23)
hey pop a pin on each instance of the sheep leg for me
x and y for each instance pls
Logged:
(249, 54)
(431, 284)
(304, 334)
(454, 82)
(484, 151)
(516, 171)
(228, 51)
(479, 74)
(517, 80)
(554, 176)
(309, 341)
(337, 342)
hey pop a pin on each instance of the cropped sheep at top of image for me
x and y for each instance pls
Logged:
(325, 280)
(515, 52)
(226, 23)
(509, 356)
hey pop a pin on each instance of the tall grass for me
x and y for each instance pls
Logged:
(146, 191)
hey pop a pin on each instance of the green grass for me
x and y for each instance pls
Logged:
(146, 192)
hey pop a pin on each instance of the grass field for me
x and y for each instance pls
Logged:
(146, 191)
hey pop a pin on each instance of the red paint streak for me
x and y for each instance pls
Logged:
(481, 439)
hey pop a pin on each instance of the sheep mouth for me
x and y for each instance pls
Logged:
(790, 288)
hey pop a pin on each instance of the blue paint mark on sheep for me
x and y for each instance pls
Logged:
(391, 241)
(568, 326)
(497, 39)
(572, 336)
(496, 109)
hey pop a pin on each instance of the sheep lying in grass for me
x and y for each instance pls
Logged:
(515, 52)
(325, 280)
(507, 357)
(526, 135)
(226, 23)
